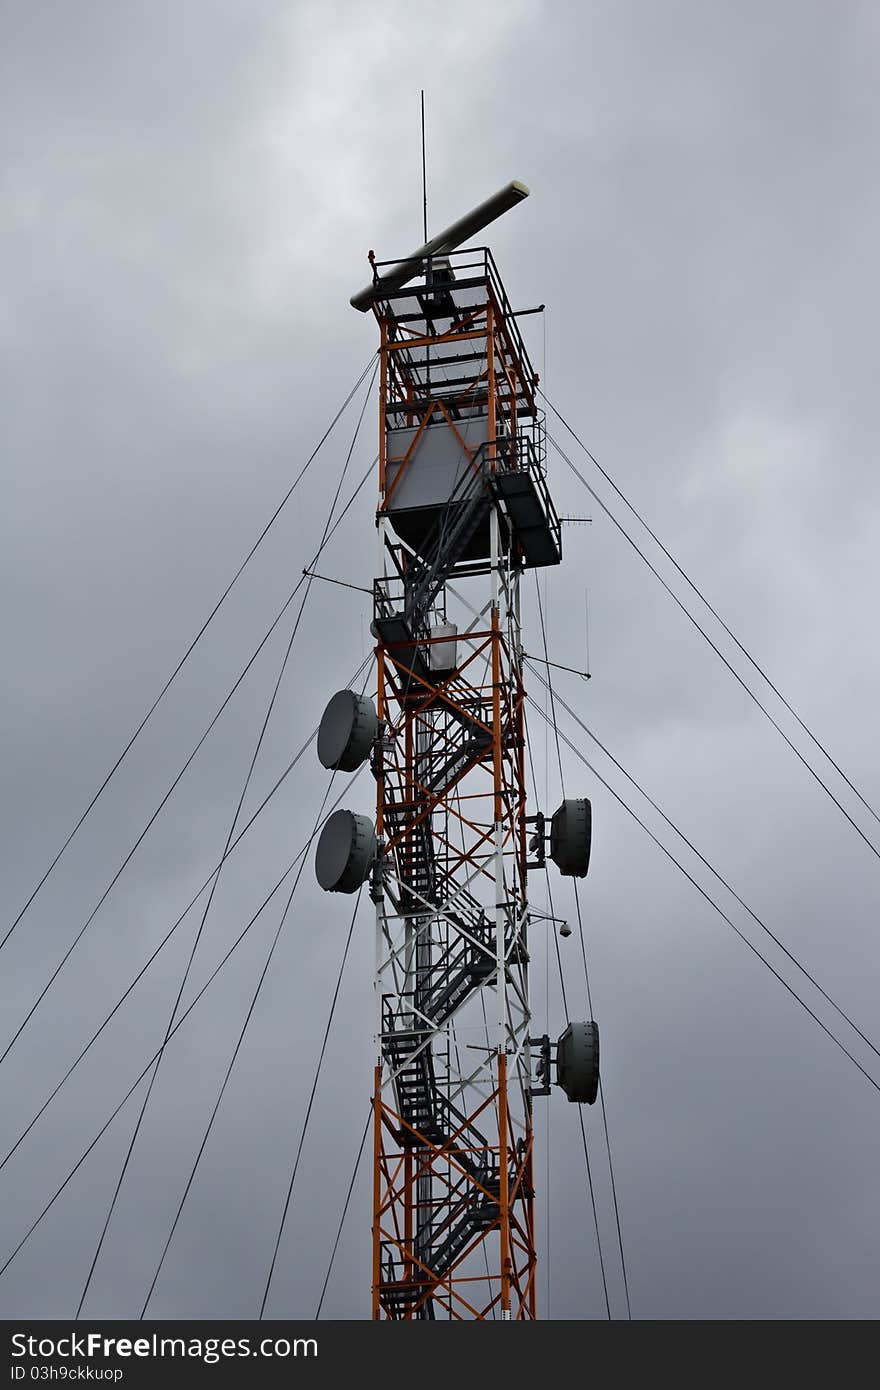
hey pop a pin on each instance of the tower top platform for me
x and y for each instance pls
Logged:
(437, 327)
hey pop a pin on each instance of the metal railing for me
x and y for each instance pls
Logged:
(472, 268)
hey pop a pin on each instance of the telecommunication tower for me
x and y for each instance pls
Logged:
(463, 510)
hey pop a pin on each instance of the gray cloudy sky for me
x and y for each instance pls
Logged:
(188, 194)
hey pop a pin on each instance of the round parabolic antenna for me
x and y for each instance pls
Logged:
(347, 730)
(577, 1062)
(571, 835)
(345, 853)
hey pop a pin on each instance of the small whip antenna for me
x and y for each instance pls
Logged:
(424, 174)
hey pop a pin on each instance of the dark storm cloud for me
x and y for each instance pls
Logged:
(188, 196)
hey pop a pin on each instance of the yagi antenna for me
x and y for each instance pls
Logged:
(439, 245)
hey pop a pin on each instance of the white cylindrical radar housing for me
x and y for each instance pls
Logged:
(347, 730)
(445, 241)
(346, 852)
(577, 1062)
(571, 836)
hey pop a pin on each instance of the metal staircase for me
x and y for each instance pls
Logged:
(458, 521)
(449, 970)
(474, 1185)
(404, 628)
(463, 965)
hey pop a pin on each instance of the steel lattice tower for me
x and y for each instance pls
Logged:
(463, 510)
